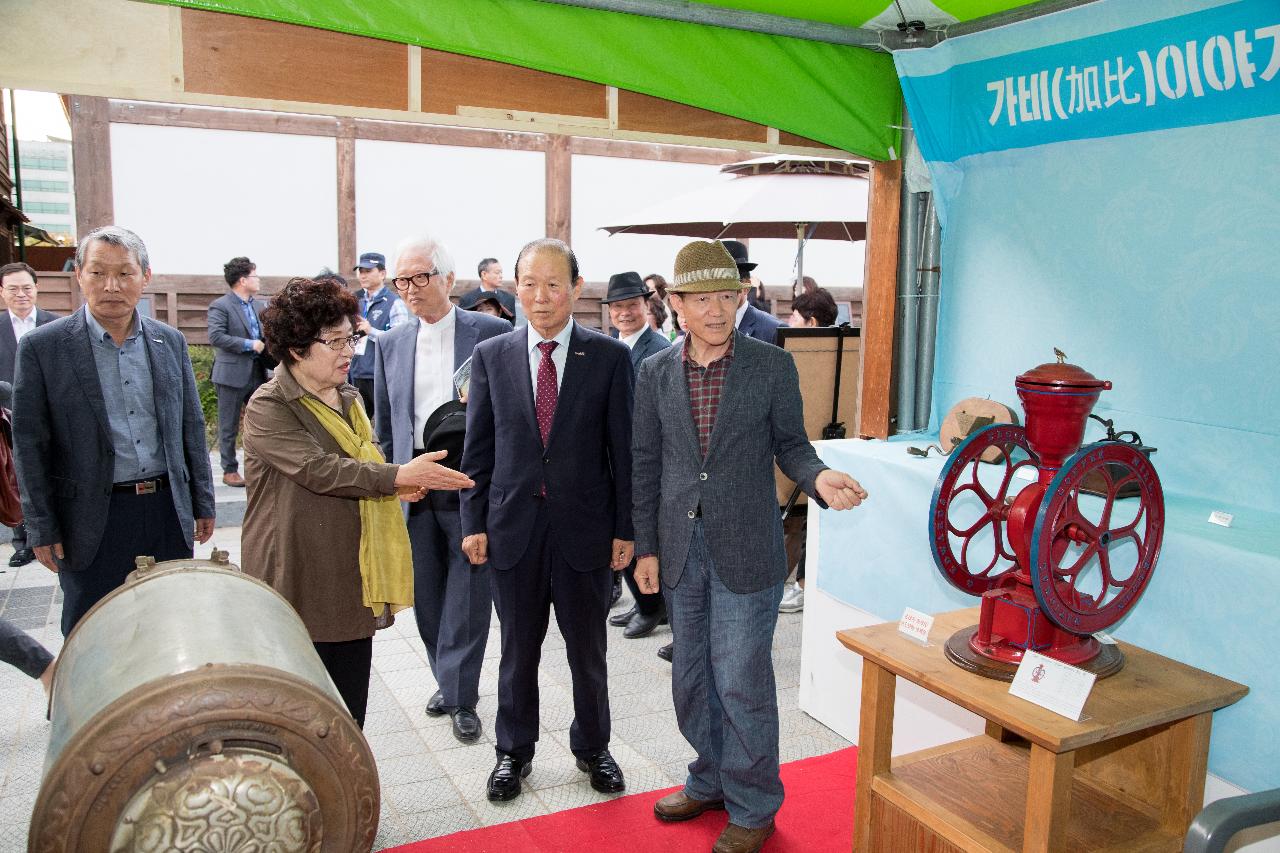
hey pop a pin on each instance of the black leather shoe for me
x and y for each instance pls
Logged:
(435, 705)
(642, 625)
(466, 725)
(617, 589)
(606, 775)
(21, 557)
(665, 652)
(504, 781)
(621, 620)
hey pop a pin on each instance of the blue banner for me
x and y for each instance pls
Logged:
(1216, 65)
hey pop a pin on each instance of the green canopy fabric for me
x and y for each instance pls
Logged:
(846, 97)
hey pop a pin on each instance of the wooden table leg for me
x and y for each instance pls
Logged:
(1048, 800)
(1188, 743)
(875, 743)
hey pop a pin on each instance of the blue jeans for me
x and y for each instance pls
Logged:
(722, 682)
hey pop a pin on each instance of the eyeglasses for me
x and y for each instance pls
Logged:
(339, 344)
(421, 279)
(20, 288)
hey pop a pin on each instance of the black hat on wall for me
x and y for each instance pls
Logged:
(625, 285)
(739, 252)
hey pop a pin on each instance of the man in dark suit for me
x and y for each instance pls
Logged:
(712, 414)
(750, 320)
(490, 272)
(235, 333)
(18, 281)
(627, 299)
(413, 377)
(548, 446)
(108, 433)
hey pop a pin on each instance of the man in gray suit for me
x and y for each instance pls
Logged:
(712, 413)
(413, 377)
(18, 286)
(108, 433)
(235, 333)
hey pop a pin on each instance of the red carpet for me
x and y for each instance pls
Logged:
(817, 816)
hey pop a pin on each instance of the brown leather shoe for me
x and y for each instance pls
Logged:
(677, 806)
(739, 839)
(233, 478)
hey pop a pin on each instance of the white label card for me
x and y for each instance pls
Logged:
(1104, 638)
(916, 625)
(1052, 684)
(1221, 518)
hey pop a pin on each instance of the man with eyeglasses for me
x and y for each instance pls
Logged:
(414, 366)
(380, 310)
(19, 291)
(235, 333)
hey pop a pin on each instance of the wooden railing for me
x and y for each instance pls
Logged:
(182, 301)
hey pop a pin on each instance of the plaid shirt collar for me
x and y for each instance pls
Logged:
(727, 358)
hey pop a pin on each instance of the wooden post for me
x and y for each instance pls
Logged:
(346, 196)
(91, 163)
(879, 297)
(559, 199)
(1048, 800)
(875, 744)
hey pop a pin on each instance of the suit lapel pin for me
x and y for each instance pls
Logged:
(575, 352)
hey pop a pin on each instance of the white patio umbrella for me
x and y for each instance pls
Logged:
(781, 196)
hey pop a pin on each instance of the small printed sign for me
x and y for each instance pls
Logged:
(1104, 638)
(1027, 472)
(1220, 518)
(916, 625)
(1052, 684)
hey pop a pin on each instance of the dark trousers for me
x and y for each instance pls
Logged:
(365, 386)
(19, 539)
(17, 648)
(349, 664)
(137, 526)
(231, 403)
(524, 596)
(647, 603)
(451, 602)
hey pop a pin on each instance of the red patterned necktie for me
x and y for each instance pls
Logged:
(545, 405)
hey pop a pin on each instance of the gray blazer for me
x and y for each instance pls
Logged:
(228, 331)
(62, 439)
(393, 370)
(650, 343)
(9, 341)
(760, 419)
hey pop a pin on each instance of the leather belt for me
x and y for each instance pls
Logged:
(143, 487)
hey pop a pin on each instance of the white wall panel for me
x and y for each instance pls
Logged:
(201, 197)
(481, 202)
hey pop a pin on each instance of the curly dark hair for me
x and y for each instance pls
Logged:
(236, 269)
(657, 309)
(817, 305)
(299, 312)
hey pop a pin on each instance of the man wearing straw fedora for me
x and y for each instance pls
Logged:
(712, 414)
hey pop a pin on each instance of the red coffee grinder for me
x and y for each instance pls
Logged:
(1052, 563)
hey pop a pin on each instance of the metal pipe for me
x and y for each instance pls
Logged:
(930, 279)
(1013, 16)
(908, 305)
(734, 19)
(17, 174)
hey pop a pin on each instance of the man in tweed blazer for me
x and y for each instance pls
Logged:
(712, 414)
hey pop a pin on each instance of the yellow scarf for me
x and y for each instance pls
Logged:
(386, 563)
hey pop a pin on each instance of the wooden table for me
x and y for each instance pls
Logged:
(1129, 776)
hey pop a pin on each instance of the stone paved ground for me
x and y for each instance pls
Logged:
(431, 784)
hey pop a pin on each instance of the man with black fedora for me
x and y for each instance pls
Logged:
(750, 320)
(627, 299)
(416, 409)
(380, 309)
(712, 414)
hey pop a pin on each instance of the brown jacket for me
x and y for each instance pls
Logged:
(302, 525)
